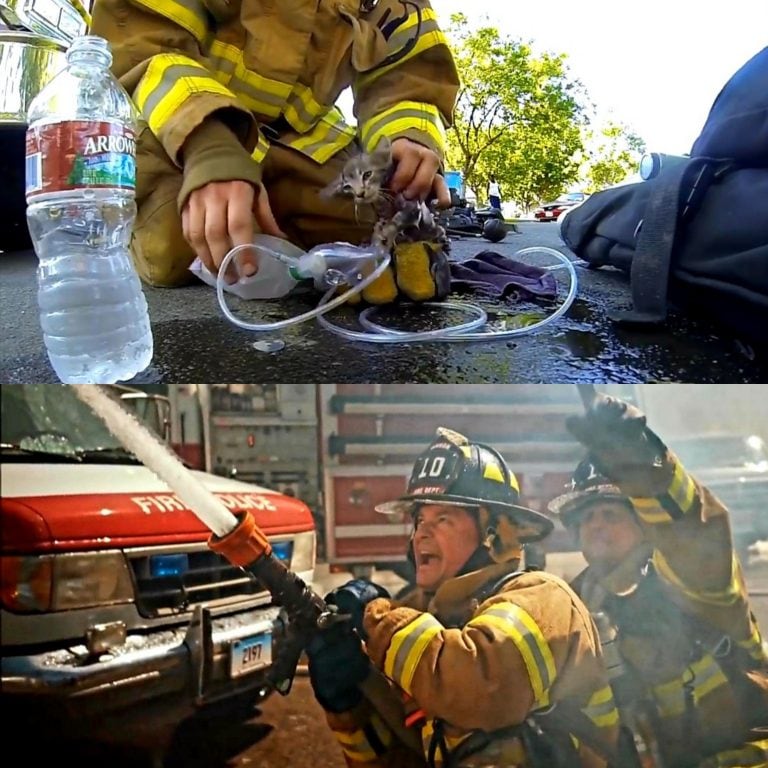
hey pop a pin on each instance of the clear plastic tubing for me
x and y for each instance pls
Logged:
(379, 334)
(324, 306)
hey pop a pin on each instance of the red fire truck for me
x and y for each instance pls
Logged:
(115, 615)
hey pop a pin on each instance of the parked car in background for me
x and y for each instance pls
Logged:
(735, 468)
(551, 211)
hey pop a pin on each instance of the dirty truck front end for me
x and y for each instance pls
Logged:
(113, 607)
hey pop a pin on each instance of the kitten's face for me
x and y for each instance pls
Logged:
(364, 175)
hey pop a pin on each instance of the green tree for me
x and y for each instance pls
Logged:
(519, 117)
(615, 153)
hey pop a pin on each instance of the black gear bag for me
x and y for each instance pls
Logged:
(697, 233)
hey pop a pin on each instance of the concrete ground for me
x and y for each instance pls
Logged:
(194, 342)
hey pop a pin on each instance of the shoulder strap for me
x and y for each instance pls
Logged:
(675, 199)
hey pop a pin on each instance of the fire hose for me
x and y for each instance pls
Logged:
(244, 544)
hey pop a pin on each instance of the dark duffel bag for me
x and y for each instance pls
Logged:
(697, 233)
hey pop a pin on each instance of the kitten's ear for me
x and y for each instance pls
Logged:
(332, 190)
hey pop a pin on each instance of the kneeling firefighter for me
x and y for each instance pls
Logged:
(691, 673)
(488, 665)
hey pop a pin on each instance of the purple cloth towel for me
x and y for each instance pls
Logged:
(496, 274)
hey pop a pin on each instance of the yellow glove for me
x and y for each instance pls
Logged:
(419, 272)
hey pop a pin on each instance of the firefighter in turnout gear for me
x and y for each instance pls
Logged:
(239, 130)
(662, 575)
(488, 665)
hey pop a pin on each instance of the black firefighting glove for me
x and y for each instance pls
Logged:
(619, 441)
(337, 666)
(352, 597)
(419, 271)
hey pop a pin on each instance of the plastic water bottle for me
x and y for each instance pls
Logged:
(80, 187)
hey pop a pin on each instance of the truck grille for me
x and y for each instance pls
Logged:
(175, 580)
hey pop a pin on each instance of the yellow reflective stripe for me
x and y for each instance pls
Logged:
(649, 510)
(356, 746)
(168, 82)
(682, 489)
(493, 472)
(260, 94)
(703, 676)
(404, 116)
(430, 37)
(728, 596)
(520, 627)
(752, 755)
(407, 647)
(303, 111)
(754, 645)
(261, 148)
(328, 137)
(601, 708)
(681, 492)
(188, 14)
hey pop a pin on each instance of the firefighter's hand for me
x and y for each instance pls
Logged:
(416, 173)
(352, 597)
(220, 215)
(617, 436)
(337, 666)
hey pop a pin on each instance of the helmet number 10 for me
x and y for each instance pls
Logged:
(432, 467)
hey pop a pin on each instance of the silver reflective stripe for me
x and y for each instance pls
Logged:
(407, 647)
(703, 676)
(532, 643)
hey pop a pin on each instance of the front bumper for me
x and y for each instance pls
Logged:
(188, 665)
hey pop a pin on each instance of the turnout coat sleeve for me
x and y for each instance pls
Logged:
(413, 95)
(689, 530)
(156, 47)
(522, 649)
(528, 646)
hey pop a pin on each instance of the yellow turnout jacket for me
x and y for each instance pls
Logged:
(685, 630)
(460, 667)
(272, 70)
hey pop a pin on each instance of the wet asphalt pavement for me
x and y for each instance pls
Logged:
(194, 342)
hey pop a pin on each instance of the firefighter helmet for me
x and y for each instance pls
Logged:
(457, 472)
(587, 484)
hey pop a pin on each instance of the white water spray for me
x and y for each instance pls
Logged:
(157, 457)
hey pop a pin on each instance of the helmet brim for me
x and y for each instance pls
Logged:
(532, 525)
(569, 506)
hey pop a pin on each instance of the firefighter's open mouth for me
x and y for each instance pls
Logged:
(425, 558)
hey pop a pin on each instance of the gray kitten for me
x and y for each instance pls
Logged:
(364, 178)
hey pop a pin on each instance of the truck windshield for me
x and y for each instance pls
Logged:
(50, 418)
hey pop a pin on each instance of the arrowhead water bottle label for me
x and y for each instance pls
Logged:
(79, 154)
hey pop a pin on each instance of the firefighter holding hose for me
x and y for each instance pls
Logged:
(488, 664)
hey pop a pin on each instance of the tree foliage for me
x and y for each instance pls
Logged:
(522, 118)
(615, 154)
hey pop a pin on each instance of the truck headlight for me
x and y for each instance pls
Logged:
(37, 584)
(303, 552)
